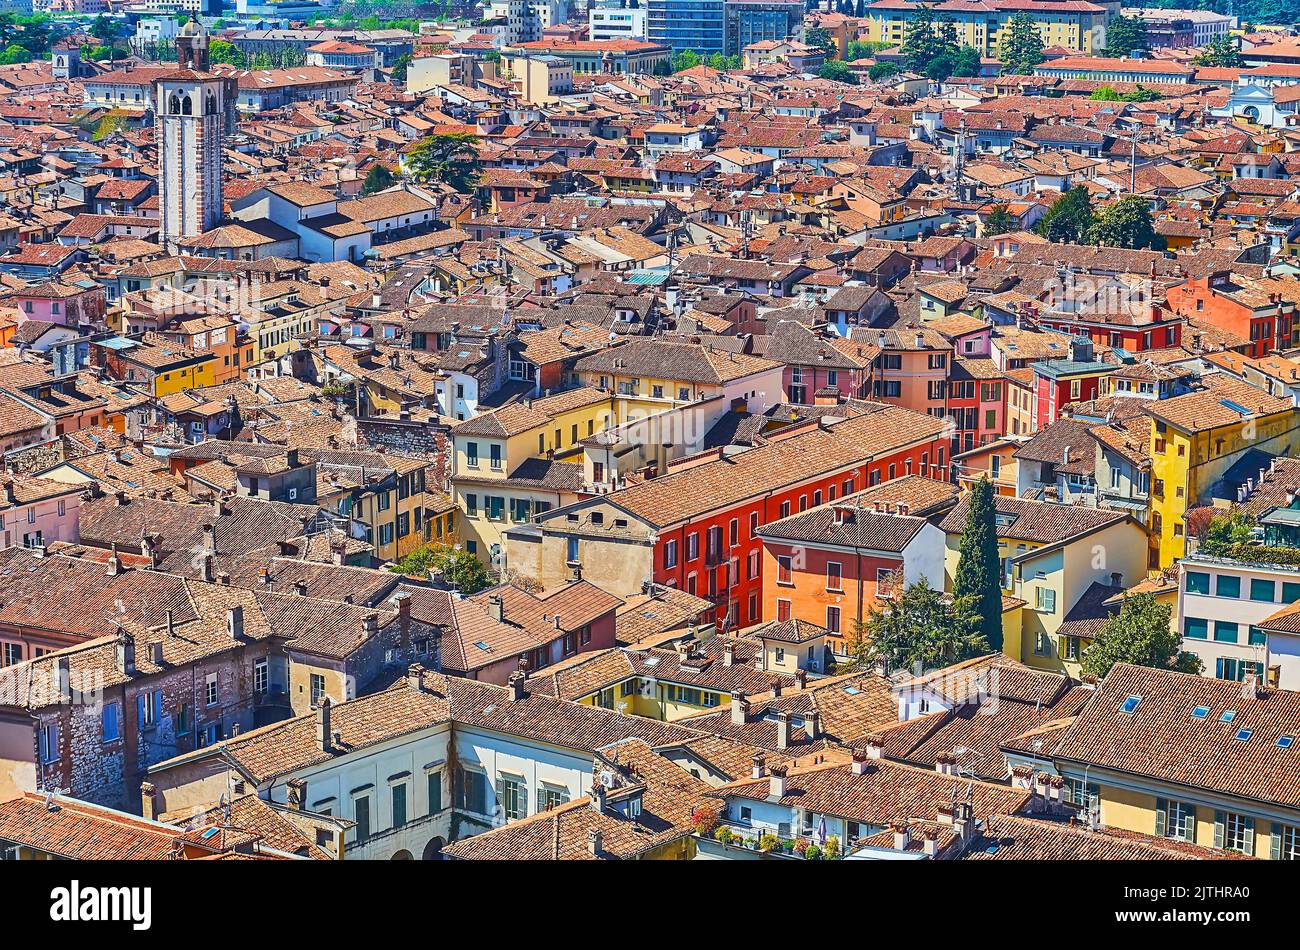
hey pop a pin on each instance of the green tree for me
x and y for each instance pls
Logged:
(819, 38)
(838, 71)
(685, 59)
(1069, 219)
(999, 221)
(400, 66)
(920, 627)
(924, 40)
(883, 70)
(1126, 223)
(223, 51)
(1125, 36)
(979, 567)
(1021, 46)
(462, 570)
(104, 29)
(1105, 94)
(1224, 531)
(1141, 94)
(1140, 634)
(1220, 51)
(449, 157)
(377, 179)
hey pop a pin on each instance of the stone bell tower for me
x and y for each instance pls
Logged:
(194, 111)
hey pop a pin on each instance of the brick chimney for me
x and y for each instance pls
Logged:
(148, 801)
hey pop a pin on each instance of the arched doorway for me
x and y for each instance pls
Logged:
(403, 855)
(433, 850)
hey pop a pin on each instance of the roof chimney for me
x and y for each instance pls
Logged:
(783, 730)
(739, 709)
(776, 781)
(595, 842)
(126, 653)
(323, 724)
(497, 608)
(515, 683)
(760, 766)
(235, 622)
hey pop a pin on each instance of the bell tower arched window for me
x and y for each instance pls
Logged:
(187, 106)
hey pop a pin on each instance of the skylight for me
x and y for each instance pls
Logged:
(1228, 715)
(481, 645)
(1130, 704)
(1244, 734)
(1200, 712)
(1285, 742)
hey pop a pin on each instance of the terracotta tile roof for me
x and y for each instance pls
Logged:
(1162, 740)
(686, 494)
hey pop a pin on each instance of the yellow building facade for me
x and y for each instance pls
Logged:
(1067, 25)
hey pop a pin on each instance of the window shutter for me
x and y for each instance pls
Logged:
(1162, 817)
(541, 804)
(501, 795)
(1275, 842)
(139, 711)
(1060, 647)
(1250, 837)
(1218, 829)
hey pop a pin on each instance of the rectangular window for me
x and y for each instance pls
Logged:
(1196, 629)
(260, 675)
(1225, 631)
(834, 576)
(210, 689)
(1290, 591)
(398, 792)
(1233, 832)
(361, 815)
(471, 792)
(433, 780)
(317, 689)
(1286, 842)
(832, 620)
(551, 796)
(670, 554)
(511, 795)
(110, 718)
(1198, 582)
(49, 742)
(1175, 820)
(1045, 599)
(1227, 585)
(783, 570)
(1263, 590)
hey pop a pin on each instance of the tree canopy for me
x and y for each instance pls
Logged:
(1069, 219)
(979, 566)
(1125, 36)
(449, 157)
(919, 627)
(377, 179)
(1126, 223)
(1021, 46)
(1220, 51)
(1140, 634)
(838, 71)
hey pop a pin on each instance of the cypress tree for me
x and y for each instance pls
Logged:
(979, 569)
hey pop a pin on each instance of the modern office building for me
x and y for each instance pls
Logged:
(720, 26)
(617, 20)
